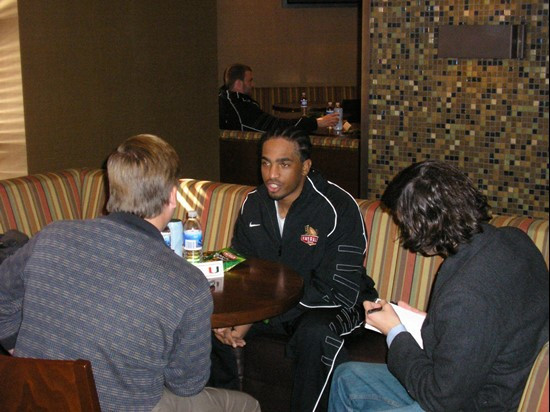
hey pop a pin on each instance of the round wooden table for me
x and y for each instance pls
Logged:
(254, 290)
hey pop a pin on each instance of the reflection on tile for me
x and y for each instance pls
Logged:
(489, 117)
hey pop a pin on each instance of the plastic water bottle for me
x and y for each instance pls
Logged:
(338, 109)
(303, 104)
(192, 238)
(330, 108)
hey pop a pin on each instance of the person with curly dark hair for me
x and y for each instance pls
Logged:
(488, 313)
(431, 215)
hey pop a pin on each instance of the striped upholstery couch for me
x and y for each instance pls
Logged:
(31, 202)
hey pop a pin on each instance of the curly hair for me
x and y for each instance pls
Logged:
(436, 207)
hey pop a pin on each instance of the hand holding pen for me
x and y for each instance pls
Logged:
(380, 315)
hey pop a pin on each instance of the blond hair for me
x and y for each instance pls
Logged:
(142, 172)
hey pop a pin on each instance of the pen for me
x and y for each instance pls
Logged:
(378, 309)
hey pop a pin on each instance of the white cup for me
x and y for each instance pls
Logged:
(176, 236)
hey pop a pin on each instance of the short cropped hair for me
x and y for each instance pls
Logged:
(142, 172)
(233, 73)
(436, 207)
(300, 137)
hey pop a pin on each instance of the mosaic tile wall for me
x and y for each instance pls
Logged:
(489, 117)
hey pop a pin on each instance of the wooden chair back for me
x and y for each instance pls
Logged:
(47, 385)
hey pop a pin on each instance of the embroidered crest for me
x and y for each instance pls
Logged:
(310, 237)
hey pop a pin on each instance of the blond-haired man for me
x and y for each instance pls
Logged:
(109, 290)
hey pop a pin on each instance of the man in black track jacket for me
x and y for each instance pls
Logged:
(310, 224)
(239, 111)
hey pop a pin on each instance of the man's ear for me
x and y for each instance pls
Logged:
(306, 166)
(238, 86)
(172, 200)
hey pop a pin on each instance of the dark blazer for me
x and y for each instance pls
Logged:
(487, 320)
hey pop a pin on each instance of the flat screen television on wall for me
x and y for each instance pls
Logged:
(320, 3)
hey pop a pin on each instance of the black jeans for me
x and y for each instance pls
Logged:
(316, 346)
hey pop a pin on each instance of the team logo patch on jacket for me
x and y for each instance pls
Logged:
(310, 237)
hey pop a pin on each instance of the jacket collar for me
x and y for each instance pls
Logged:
(135, 222)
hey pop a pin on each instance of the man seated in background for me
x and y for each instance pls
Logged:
(239, 111)
(488, 311)
(109, 290)
(308, 223)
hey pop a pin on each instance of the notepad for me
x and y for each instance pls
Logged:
(411, 320)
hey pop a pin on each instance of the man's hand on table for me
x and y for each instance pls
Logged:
(232, 336)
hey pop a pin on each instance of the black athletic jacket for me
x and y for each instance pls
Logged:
(324, 240)
(239, 111)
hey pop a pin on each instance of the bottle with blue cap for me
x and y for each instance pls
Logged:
(192, 238)
(303, 104)
(338, 109)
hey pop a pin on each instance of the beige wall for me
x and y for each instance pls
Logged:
(13, 152)
(97, 72)
(312, 46)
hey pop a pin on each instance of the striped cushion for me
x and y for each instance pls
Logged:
(339, 142)
(217, 205)
(239, 135)
(537, 229)
(94, 193)
(535, 394)
(29, 203)
(400, 274)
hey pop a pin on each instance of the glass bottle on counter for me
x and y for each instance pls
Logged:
(330, 108)
(338, 109)
(192, 238)
(303, 104)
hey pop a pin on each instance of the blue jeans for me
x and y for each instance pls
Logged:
(360, 386)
